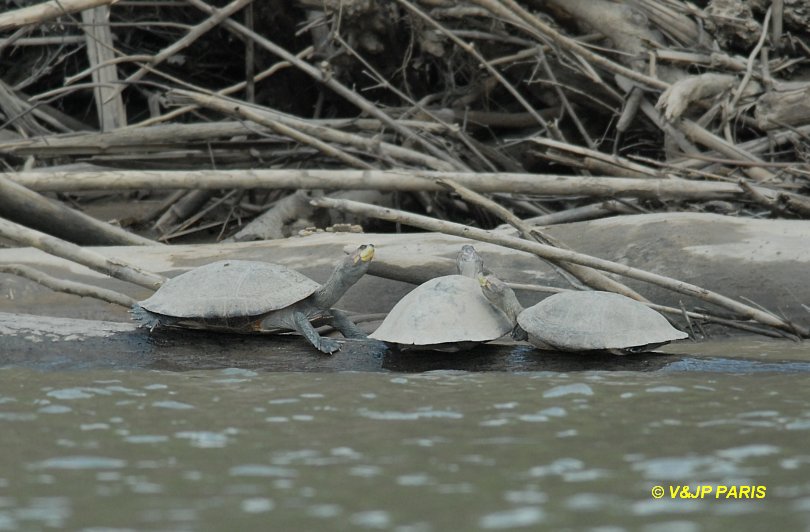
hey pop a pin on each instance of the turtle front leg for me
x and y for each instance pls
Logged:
(342, 322)
(305, 329)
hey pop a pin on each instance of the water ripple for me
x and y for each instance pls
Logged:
(518, 517)
(262, 470)
(372, 519)
(173, 405)
(80, 462)
(257, 505)
(569, 389)
(392, 415)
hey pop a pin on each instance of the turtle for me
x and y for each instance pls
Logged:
(583, 320)
(250, 296)
(446, 313)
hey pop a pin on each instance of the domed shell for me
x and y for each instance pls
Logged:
(443, 310)
(596, 320)
(230, 288)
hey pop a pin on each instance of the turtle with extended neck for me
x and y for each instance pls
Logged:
(582, 321)
(447, 313)
(250, 296)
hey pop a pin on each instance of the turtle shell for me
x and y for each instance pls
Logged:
(229, 289)
(596, 320)
(443, 310)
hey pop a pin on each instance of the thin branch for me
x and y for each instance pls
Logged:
(589, 276)
(68, 287)
(66, 250)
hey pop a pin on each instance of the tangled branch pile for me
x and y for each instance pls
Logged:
(697, 106)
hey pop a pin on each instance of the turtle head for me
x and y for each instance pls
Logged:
(348, 271)
(501, 296)
(493, 288)
(363, 254)
(469, 262)
(354, 265)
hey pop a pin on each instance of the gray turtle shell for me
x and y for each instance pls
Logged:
(596, 320)
(443, 310)
(229, 289)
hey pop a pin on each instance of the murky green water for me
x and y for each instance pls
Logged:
(240, 450)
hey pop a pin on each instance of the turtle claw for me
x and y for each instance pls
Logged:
(328, 345)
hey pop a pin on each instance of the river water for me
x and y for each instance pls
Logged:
(237, 449)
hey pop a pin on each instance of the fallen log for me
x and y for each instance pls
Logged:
(545, 184)
(166, 137)
(26, 207)
(763, 262)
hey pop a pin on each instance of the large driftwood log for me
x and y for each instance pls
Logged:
(759, 261)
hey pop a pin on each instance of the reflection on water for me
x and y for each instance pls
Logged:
(235, 449)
